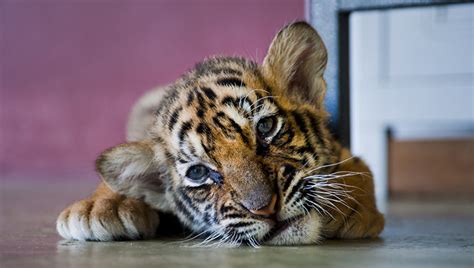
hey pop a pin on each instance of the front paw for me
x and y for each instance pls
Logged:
(362, 224)
(107, 219)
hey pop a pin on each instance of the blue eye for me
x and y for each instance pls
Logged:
(197, 173)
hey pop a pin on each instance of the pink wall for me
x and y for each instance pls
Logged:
(70, 70)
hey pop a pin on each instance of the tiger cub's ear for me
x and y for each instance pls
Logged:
(135, 169)
(295, 63)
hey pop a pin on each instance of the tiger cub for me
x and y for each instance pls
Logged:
(236, 151)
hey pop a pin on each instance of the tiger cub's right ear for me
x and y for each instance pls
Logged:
(136, 169)
(295, 64)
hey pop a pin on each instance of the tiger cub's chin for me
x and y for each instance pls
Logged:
(306, 230)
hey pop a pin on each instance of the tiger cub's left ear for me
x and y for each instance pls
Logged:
(295, 63)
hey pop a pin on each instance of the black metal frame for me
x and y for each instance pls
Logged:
(331, 19)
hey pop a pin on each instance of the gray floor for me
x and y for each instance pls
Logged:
(434, 234)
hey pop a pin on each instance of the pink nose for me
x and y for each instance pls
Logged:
(267, 210)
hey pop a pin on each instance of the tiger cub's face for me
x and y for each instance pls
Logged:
(234, 143)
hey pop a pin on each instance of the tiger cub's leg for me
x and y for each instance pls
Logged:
(355, 215)
(107, 216)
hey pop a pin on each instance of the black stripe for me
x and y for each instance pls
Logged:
(294, 190)
(289, 178)
(299, 121)
(201, 193)
(228, 100)
(170, 156)
(183, 209)
(315, 126)
(233, 216)
(262, 149)
(304, 160)
(304, 149)
(208, 148)
(290, 136)
(184, 129)
(183, 155)
(224, 129)
(239, 130)
(289, 171)
(216, 121)
(239, 224)
(278, 139)
(189, 201)
(206, 68)
(202, 128)
(231, 82)
(193, 188)
(225, 209)
(209, 93)
(201, 100)
(209, 216)
(174, 118)
(192, 150)
(243, 100)
(190, 98)
(200, 112)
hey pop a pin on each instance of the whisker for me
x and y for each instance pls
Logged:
(320, 208)
(188, 238)
(329, 165)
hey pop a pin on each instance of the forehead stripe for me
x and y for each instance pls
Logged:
(209, 93)
(217, 120)
(201, 100)
(202, 128)
(200, 112)
(229, 82)
(228, 100)
(227, 71)
(184, 129)
(190, 98)
(174, 118)
(239, 130)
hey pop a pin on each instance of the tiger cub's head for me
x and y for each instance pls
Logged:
(232, 144)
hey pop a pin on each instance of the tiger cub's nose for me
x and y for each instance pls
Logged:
(267, 210)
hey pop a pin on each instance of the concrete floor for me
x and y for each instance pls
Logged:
(416, 235)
